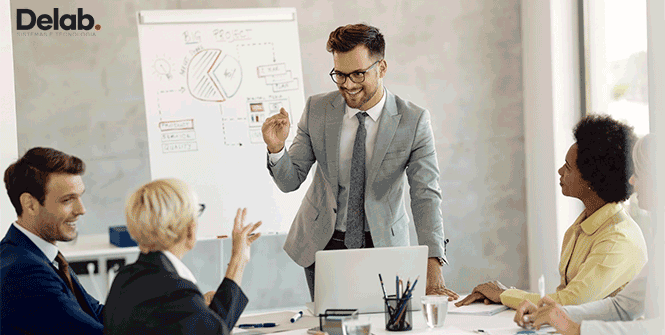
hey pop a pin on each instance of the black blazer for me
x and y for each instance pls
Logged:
(34, 299)
(148, 297)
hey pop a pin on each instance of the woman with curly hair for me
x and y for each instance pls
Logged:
(614, 315)
(604, 248)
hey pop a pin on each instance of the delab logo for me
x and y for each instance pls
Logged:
(26, 19)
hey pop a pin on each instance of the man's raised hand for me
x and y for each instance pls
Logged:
(275, 130)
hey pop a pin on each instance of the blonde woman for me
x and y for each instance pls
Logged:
(158, 293)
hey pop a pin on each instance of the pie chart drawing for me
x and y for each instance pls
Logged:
(212, 76)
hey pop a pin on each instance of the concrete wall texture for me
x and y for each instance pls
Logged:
(460, 59)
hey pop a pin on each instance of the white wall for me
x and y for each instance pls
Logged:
(656, 56)
(83, 95)
(551, 109)
(8, 140)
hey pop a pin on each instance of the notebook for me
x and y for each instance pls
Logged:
(349, 279)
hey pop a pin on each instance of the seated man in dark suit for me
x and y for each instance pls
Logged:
(39, 293)
(158, 293)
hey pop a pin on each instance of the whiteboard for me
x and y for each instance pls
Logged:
(210, 79)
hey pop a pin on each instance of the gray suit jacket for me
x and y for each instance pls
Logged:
(404, 148)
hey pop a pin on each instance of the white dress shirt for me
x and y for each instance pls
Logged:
(180, 267)
(346, 140)
(50, 250)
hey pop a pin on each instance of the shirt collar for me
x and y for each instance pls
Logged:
(599, 217)
(373, 112)
(180, 267)
(49, 250)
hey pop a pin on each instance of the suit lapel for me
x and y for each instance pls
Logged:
(83, 301)
(387, 127)
(15, 236)
(333, 130)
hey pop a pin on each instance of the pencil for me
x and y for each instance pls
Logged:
(382, 287)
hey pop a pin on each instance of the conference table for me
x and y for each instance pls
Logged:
(498, 324)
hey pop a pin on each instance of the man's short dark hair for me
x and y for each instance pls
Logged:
(30, 173)
(346, 38)
(604, 147)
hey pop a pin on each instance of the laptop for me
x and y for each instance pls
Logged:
(349, 279)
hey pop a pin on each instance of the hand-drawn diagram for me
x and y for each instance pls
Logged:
(178, 136)
(246, 78)
(212, 76)
(210, 80)
(278, 77)
(259, 111)
(162, 68)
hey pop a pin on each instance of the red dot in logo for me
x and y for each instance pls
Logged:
(98, 27)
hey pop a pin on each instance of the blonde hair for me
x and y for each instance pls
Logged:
(643, 155)
(159, 212)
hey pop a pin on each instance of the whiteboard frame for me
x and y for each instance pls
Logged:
(216, 16)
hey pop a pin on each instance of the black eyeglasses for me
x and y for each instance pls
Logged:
(202, 207)
(357, 76)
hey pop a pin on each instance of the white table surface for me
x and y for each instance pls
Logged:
(454, 323)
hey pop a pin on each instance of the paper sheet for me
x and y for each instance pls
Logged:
(476, 308)
(519, 331)
(283, 320)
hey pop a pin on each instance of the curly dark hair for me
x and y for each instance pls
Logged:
(346, 38)
(604, 147)
(30, 173)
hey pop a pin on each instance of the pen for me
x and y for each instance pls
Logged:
(541, 286)
(257, 325)
(526, 319)
(222, 236)
(401, 303)
(397, 287)
(296, 317)
(382, 287)
(481, 331)
(401, 285)
(414, 285)
(385, 298)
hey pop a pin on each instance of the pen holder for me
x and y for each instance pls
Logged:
(398, 313)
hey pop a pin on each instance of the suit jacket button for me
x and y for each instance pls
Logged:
(335, 210)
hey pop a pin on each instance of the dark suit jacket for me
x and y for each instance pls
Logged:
(149, 297)
(33, 297)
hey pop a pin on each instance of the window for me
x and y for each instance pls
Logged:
(614, 58)
(615, 61)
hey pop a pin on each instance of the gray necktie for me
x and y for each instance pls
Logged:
(355, 214)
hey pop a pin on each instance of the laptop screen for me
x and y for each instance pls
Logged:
(349, 279)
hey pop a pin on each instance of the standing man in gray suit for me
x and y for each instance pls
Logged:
(366, 141)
